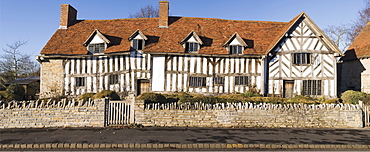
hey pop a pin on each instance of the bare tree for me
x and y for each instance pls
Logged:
(146, 12)
(14, 63)
(360, 23)
(339, 35)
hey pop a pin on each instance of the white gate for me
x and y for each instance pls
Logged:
(366, 109)
(120, 112)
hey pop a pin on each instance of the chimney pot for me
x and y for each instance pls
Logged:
(163, 14)
(68, 16)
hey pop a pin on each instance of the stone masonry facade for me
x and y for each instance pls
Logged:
(52, 78)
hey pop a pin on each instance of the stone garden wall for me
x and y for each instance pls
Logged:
(249, 115)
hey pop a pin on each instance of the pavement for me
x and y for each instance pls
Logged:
(182, 138)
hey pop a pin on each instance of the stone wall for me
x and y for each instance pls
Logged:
(250, 115)
(52, 114)
(52, 78)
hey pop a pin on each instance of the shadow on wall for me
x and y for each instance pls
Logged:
(351, 72)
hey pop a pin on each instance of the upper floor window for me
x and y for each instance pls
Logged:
(137, 44)
(235, 44)
(301, 58)
(236, 49)
(137, 40)
(97, 48)
(97, 42)
(191, 47)
(191, 42)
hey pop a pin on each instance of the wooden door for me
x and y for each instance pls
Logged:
(143, 85)
(288, 88)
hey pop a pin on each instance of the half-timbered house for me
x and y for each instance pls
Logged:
(187, 54)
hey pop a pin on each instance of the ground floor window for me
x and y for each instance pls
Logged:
(311, 87)
(218, 80)
(80, 81)
(197, 81)
(241, 80)
(113, 79)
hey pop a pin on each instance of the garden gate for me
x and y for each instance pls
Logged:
(119, 112)
(366, 109)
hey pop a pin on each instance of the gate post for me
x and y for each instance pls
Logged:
(106, 110)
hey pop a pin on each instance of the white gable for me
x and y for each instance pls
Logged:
(138, 37)
(235, 42)
(96, 40)
(192, 39)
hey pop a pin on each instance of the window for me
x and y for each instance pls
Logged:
(301, 58)
(97, 48)
(137, 44)
(113, 79)
(311, 87)
(191, 47)
(236, 49)
(241, 80)
(218, 80)
(80, 81)
(197, 82)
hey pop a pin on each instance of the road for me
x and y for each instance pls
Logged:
(181, 135)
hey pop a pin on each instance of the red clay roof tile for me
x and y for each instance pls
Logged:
(262, 35)
(361, 45)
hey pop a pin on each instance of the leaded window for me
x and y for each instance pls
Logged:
(311, 87)
(137, 44)
(197, 81)
(301, 58)
(113, 79)
(236, 49)
(80, 81)
(97, 48)
(241, 80)
(191, 47)
(218, 80)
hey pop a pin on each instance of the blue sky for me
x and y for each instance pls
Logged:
(36, 21)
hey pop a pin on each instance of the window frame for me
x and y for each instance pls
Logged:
(302, 58)
(80, 81)
(138, 44)
(241, 80)
(189, 49)
(312, 87)
(218, 80)
(196, 81)
(239, 49)
(93, 48)
(113, 79)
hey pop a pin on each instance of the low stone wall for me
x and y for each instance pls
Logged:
(249, 115)
(35, 114)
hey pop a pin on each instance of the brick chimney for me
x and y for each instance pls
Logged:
(163, 14)
(68, 16)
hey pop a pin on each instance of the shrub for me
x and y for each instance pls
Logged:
(3, 95)
(106, 93)
(150, 97)
(352, 97)
(330, 101)
(250, 94)
(86, 96)
(302, 99)
(15, 92)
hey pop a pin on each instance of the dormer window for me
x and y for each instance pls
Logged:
(191, 43)
(137, 40)
(236, 49)
(191, 47)
(97, 48)
(235, 45)
(97, 42)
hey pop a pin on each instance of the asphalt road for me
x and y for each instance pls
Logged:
(180, 135)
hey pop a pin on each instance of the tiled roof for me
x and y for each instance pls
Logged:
(361, 45)
(260, 36)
